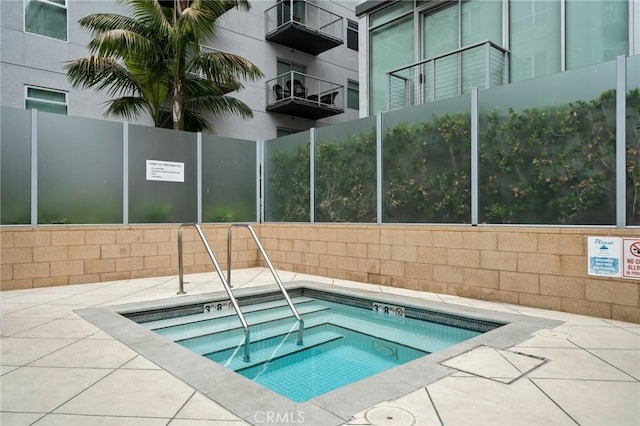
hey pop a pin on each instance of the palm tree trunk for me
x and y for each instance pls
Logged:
(177, 105)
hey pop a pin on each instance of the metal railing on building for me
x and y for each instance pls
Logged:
(481, 65)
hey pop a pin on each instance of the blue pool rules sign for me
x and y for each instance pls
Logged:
(605, 256)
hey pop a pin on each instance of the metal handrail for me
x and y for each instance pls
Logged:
(451, 53)
(307, 20)
(317, 86)
(271, 268)
(225, 283)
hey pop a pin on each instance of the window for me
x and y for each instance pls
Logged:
(352, 35)
(285, 67)
(283, 131)
(535, 38)
(353, 94)
(46, 100)
(384, 55)
(46, 17)
(457, 25)
(597, 31)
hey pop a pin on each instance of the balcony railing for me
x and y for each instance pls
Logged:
(302, 95)
(303, 26)
(481, 65)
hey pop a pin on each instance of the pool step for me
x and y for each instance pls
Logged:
(230, 338)
(223, 324)
(225, 312)
(434, 337)
(265, 350)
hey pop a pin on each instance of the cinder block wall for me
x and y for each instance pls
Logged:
(533, 266)
(51, 256)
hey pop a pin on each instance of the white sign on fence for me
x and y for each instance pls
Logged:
(604, 256)
(166, 171)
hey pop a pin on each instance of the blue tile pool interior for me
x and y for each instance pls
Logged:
(346, 339)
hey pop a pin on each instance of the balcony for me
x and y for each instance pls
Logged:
(302, 95)
(303, 26)
(481, 65)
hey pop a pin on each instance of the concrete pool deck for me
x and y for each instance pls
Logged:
(59, 369)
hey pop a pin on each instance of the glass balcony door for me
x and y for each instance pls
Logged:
(440, 35)
(446, 29)
(290, 80)
(284, 11)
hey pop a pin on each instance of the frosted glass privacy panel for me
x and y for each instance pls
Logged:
(426, 163)
(79, 170)
(286, 178)
(633, 140)
(345, 172)
(162, 175)
(15, 166)
(547, 149)
(228, 179)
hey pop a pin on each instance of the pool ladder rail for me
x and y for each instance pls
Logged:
(226, 281)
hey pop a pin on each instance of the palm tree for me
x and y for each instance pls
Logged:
(153, 60)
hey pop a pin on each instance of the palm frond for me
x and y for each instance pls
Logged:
(195, 24)
(197, 122)
(101, 73)
(101, 22)
(127, 107)
(150, 14)
(219, 105)
(223, 63)
(196, 86)
(121, 43)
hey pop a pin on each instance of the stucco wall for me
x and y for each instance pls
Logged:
(533, 266)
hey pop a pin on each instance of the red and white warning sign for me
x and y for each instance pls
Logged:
(631, 258)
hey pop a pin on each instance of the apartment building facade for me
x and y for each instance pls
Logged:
(449, 47)
(307, 44)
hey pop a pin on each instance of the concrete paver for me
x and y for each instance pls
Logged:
(57, 368)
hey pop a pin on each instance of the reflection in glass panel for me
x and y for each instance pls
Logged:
(597, 31)
(228, 179)
(440, 32)
(287, 178)
(385, 56)
(46, 100)
(426, 156)
(633, 140)
(481, 21)
(15, 167)
(163, 197)
(547, 149)
(389, 13)
(46, 19)
(535, 38)
(353, 94)
(79, 170)
(46, 95)
(342, 196)
(46, 107)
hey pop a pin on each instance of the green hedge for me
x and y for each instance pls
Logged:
(551, 165)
